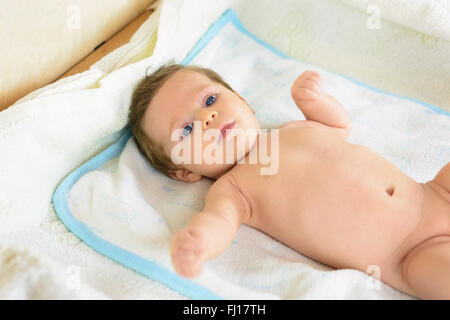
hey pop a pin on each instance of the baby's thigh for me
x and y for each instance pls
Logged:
(434, 223)
(426, 269)
(442, 178)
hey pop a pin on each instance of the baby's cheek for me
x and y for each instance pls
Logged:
(212, 153)
(181, 152)
(200, 152)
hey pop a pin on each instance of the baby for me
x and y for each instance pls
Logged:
(335, 202)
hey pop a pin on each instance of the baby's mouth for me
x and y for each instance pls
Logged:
(224, 127)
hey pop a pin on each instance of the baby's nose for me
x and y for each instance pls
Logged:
(207, 117)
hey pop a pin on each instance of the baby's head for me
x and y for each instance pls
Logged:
(179, 104)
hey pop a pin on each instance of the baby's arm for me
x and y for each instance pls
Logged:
(316, 104)
(210, 231)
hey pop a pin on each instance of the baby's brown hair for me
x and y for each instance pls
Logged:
(142, 96)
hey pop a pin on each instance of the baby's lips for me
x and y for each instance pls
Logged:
(228, 126)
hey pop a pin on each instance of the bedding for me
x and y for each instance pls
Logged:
(54, 130)
(427, 17)
(127, 211)
(37, 50)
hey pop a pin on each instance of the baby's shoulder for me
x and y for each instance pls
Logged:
(301, 124)
(228, 187)
(227, 183)
(317, 126)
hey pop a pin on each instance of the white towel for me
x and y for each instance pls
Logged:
(129, 204)
(431, 17)
(55, 129)
(27, 276)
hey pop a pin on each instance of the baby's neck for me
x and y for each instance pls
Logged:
(221, 174)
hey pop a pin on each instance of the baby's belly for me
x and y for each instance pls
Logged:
(352, 211)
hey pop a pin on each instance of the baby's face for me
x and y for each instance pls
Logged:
(183, 111)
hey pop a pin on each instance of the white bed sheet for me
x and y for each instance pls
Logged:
(53, 131)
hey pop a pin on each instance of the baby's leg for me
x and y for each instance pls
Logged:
(426, 269)
(443, 177)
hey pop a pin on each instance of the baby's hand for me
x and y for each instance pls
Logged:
(307, 87)
(188, 251)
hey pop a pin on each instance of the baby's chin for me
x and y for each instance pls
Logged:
(215, 171)
(219, 171)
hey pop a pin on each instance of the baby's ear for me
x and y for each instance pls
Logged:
(186, 175)
(240, 97)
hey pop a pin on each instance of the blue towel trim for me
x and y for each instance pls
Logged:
(231, 16)
(124, 257)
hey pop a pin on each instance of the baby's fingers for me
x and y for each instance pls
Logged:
(190, 239)
(189, 269)
(188, 252)
(311, 75)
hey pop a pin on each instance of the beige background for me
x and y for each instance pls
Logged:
(41, 40)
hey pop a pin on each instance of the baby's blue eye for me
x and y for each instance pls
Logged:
(187, 130)
(210, 100)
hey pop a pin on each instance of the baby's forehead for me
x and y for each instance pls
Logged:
(179, 90)
(182, 85)
(192, 76)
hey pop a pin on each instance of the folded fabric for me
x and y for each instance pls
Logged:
(427, 17)
(121, 207)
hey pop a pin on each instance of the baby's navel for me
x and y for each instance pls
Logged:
(390, 190)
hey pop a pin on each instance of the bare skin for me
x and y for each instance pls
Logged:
(336, 202)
